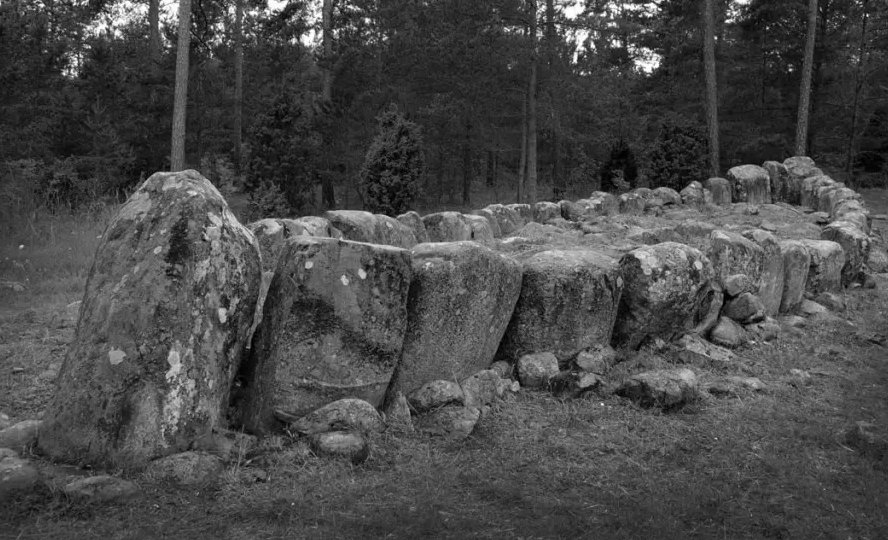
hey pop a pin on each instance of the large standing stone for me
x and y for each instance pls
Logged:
(731, 254)
(575, 211)
(809, 187)
(447, 227)
(333, 327)
(163, 326)
(632, 203)
(721, 191)
(856, 245)
(414, 221)
(770, 288)
(568, 303)
(693, 194)
(778, 176)
(494, 224)
(543, 211)
(750, 184)
(508, 219)
(835, 196)
(853, 211)
(665, 286)
(825, 271)
(668, 195)
(481, 229)
(796, 261)
(360, 226)
(460, 302)
(524, 211)
(797, 169)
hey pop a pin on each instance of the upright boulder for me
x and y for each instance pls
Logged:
(603, 203)
(447, 227)
(693, 194)
(632, 203)
(852, 211)
(460, 301)
(524, 211)
(507, 218)
(856, 245)
(770, 287)
(163, 326)
(568, 303)
(778, 176)
(731, 254)
(666, 285)
(797, 169)
(482, 232)
(543, 211)
(796, 262)
(721, 191)
(360, 226)
(333, 327)
(414, 222)
(809, 187)
(494, 224)
(750, 184)
(668, 195)
(825, 271)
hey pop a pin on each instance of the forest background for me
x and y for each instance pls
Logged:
(520, 100)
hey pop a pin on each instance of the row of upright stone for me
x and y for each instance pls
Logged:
(352, 305)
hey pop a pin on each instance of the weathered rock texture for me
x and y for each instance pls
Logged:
(825, 271)
(333, 327)
(721, 191)
(460, 301)
(168, 306)
(361, 226)
(796, 261)
(750, 184)
(568, 303)
(447, 227)
(665, 287)
(856, 245)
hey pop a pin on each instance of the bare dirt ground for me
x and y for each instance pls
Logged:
(773, 464)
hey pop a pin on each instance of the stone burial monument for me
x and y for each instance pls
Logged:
(339, 326)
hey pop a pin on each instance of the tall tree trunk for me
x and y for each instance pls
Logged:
(180, 100)
(805, 89)
(238, 83)
(558, 188)
(858, 89)
(531, 187)
(467, 165)
(522, 161)
(154, 30)
(817, 75)
(326, 67)
(711, 86)
(491, 167)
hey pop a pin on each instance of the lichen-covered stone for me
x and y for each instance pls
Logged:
(852, 211)
(694, 350)
(574, 211)
(535, 370)
(568, 303)
(481, 230)
(666, 389)
(341, 444)
(508, 219)
(524, 211)
(349, 413)
(434, 394)
(492, 221)
(20, 435)
(731, 254)
(101, 488)
(414, 221)
(453, 423)
(856, 245)
(693, 194)
(333, 327)
(665, 287)
(597, 359)
(721, 191)
(632, 203)
(603, 203)
(482, 388)
(809, 187)
(460, 301)
(770, 287)
(796, 262)
(797, 169)
(447, 227)
(164, 322)
(825, 270)
(668, 195)
(360, 226)
(750, 184)
(745, 308)
(543, 211)
(16, 476)
(778, 177)
(187, 468)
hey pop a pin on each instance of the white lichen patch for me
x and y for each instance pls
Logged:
(116, 356)
(223, 315)
(309, 265)
(362, 273)
(201, 269)
(136, 207)
(214, 219)
(344, 280)
(181, 388)
(157, 250)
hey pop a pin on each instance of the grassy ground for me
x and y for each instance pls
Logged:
(764, 465)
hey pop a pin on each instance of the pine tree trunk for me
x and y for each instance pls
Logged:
(238, 83)
(154, 30)
(858, 89)
(467, 166)
(805, 90)
(522, 161)
(531, 187)
(180, 100)
(711, 85)
(326, 68)
(817, 73)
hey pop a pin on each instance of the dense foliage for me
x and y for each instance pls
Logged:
(620, 171)
(391, 173)
(86, 92)
(678, 156)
